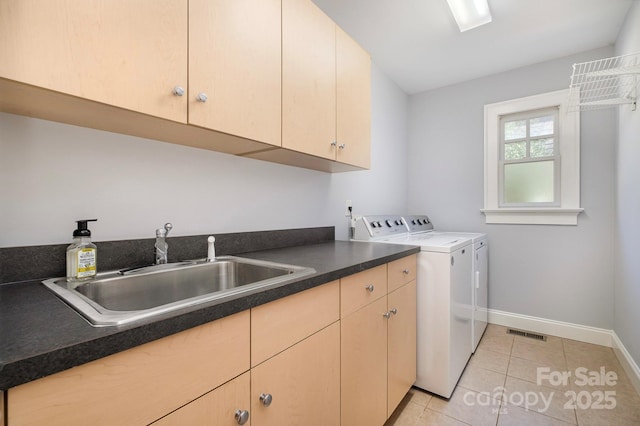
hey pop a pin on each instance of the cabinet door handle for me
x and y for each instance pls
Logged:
(370, 288)
(334, 143)
(405, 271)
(342, 146)
(394, 311)
(178, 91)
(387, 315)
(266, 399)
(202, 97)
(242, 416)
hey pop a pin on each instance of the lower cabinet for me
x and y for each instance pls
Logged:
(300, 386)
(364, 366)
(227, 405)
(401, 344)
(139, 385)
(293, 361)
(378, 346)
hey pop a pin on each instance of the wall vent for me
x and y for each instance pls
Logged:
(528, 334)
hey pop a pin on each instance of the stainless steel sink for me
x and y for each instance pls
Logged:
(121, 297)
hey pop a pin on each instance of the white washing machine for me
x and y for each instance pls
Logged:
(444, 299)
(479, 272)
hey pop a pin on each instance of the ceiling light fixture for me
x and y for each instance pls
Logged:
(470, 14)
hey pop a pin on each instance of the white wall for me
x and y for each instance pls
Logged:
(563, 273)
(627, 282)
(52, 174)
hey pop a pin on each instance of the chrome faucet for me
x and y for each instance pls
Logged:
(161, 245)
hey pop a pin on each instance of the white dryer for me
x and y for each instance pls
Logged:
(418, 224)
(444, 302)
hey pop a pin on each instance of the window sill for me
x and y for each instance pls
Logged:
(532, 216)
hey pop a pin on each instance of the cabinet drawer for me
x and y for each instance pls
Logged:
(141, 384)
(218, 407)
(362, 288)
(402, 271)
(282, 323)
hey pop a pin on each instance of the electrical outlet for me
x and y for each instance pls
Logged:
(348, 208)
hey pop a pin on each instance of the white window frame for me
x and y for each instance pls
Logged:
(566, 209)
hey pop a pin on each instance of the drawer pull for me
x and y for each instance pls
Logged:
(405, 271)
(266, 399)
(370, 288)
(242, 416)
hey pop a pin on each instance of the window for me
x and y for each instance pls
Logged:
(529, 164)
(532, 161)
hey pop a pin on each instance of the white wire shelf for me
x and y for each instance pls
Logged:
(605, 83)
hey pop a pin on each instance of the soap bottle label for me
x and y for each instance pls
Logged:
(86, 263)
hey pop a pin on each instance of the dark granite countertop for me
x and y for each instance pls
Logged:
(40, 335)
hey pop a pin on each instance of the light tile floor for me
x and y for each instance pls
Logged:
(502, 385)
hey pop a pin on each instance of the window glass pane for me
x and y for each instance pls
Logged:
(515, 150)
(529, 182)
(541, 126)
(515, 130)
(541, 147)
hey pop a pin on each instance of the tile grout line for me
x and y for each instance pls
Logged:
(566, 362)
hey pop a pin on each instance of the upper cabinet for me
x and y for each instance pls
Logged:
(234, 67)
(308, 79)
(353, 102)
(326, 86)
(268, 79)
(118, 52)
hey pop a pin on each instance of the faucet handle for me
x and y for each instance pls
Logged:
(160, 232)
(211, 249)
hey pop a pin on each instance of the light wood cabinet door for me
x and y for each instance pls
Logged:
(364, 366)
(217, 408)
(308, 79)
(280, 324)
(235, 60)
(353, 101)
(303, 382)
(139, 385)
(401, 334)
(118, 52)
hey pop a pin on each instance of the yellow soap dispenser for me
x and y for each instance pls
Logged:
(82, 254)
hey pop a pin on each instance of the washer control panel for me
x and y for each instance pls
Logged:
(374, 227)
(418, 223)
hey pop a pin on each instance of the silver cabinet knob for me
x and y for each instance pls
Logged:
(387, 315)
(242, 416)
(202, 97)
(178, 91)
(334, 143)
(266, 399)
(405, 271)
(370, 288)
(342, 145)
(394, 311)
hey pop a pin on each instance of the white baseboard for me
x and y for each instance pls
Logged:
(629, 365)
(582, 333)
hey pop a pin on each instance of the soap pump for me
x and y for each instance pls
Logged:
(81, 254)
